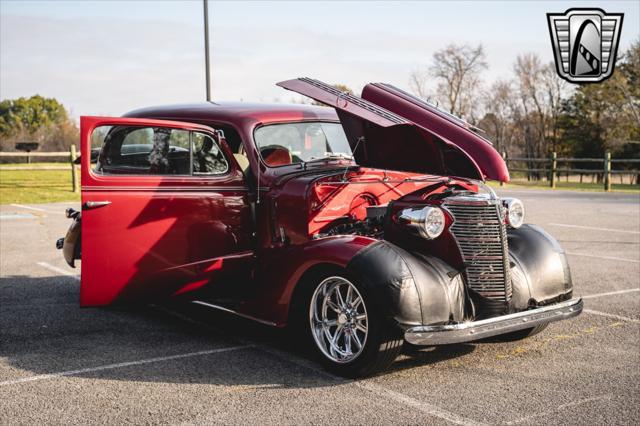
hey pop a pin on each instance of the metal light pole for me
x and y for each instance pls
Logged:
(206, 49)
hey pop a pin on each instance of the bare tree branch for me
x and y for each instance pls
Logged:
(457, 70)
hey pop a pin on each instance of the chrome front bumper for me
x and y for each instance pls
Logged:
(427, 335)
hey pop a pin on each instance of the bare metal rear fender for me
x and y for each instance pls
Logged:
(72, 242)
(411, 289)
(540, 271)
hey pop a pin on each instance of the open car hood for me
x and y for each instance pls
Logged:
(391, 129)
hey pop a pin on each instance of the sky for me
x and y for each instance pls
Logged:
(109, 57)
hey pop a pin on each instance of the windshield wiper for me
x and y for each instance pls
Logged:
(328, 157)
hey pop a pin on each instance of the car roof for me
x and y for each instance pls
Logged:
(236, 112)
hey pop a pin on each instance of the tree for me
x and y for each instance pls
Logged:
(536, 112)
(457, 69)
(37, 119)
(608, 110)
(529, 73)
(30, 114)
(501, 109)
(555, 90)
(628, 81)
(418, 83)
(540, 92)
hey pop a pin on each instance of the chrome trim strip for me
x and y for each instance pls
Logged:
(231, 311)
(238, 255)
(356, 100)
(166, 188)
(427, 335)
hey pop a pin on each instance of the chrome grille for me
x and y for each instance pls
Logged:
(479, 230)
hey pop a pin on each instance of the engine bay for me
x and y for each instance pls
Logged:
(361, 202)
(371, 226)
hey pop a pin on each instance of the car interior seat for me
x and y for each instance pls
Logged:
(276, 155)
(243, 162)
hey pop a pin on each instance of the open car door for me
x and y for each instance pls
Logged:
(164, 211)
(400, 135)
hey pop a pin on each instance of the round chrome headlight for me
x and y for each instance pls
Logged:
(514, 212)
(428, 221)
(434, 222)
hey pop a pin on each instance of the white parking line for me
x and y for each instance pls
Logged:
(38, 209)
(16, 216)
(610, 293)
(624, 231)
(424, 407)
(120, 365)
(367, 384)
(559, 408)
(614, 316)
(59, 270)
(621, 259)
(29, 208)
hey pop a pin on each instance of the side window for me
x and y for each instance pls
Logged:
(97, 141)
(207, 156)
(169, 151)
(126, 150)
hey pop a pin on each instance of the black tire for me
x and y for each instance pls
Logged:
(384, 340)
(520, 334)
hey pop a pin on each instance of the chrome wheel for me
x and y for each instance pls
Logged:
(338, 317)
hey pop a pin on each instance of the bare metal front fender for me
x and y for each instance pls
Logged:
(539, 268)
(409, 288)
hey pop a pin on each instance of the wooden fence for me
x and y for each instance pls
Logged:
(553, 167)
(71, 155)
(534, 167)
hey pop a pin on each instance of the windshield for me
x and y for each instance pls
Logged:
(291, 143)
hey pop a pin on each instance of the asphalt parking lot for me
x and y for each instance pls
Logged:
(188, 365)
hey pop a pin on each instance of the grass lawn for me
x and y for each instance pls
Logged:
(47, 186)
(573, 186)
(34, 165)
(32, 187)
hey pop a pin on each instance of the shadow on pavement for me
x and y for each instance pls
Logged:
(43, 331)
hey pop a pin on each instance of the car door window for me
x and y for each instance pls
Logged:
(207, 156)
(121, 150)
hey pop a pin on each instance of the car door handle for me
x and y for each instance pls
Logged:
(95, 204)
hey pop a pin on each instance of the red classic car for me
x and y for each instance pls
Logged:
(362, 225)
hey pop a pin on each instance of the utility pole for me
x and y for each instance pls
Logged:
(206, 49)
